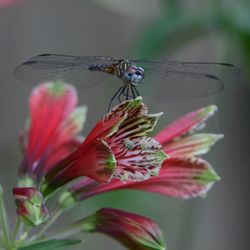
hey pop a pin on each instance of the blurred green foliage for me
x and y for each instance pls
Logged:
(177, 25)
(179, 22)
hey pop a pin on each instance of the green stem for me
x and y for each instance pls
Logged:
(83, 225)
(16, 230)
(65, 232)
(47, 225)
(4, 219)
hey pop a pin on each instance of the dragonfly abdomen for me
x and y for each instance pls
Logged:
(98, 67)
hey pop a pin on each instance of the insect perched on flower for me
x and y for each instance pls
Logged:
(160, 78)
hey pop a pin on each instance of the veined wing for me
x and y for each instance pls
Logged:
(172, 79)
(71, 69)
(220, 70)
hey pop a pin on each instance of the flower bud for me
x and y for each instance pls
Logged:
(132, 230)
(30, 206)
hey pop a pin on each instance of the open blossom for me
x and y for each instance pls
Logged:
(117, 147)
(118, 153)
(132, 230)
(183, 174)
(51, 133)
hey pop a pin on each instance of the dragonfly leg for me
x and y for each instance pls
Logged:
(136, 91)
(121, 93)
(127, 93)
(133, 92)
(118, 93)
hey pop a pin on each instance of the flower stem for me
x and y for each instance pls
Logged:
(4, 218)
(65, 232)
(47, 225)
(72, 229)
(16, 230)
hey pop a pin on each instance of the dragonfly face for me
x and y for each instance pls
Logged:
(134, 75)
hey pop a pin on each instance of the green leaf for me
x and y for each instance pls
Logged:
(51, 244)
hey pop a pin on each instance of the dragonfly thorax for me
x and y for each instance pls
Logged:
(129, 73)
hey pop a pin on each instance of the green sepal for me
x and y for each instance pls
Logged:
(26, 181)
(66, 201)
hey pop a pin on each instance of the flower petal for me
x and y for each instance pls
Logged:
(185, 124)
(139, 161)
(94, 160)
(60, 152)
(74, 123)
(191, 145)
(182, 177)
(50, 105)
(111, 122)
(178, 177)
(134, 127)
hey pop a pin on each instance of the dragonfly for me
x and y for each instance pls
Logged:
(155, 78)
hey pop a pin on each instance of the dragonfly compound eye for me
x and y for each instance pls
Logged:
(138, 76)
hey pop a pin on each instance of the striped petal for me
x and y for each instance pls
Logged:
(185, 124)
(178, 177)
(140, 160)
(191, 145)
(110, 123)
(182, 177)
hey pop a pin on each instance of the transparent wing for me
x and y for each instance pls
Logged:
(220, 70)
(172, 79)
(71, 69)
(179, 85)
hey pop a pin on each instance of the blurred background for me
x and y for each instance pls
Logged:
(188, 30)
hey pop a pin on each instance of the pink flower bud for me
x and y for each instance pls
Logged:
(30, 207)
(132, 230)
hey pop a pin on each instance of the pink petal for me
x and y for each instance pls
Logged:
(181, 177)
(94, 160)
(191, 145)
(73, 124)
(60, 152)
(138, 157)
(139, 161)
(50, 105)
(178, 177)
(111, 122)
(185, 124)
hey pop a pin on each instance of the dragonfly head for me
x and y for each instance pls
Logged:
(134, 75)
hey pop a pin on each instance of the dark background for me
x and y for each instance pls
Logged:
(192, 30)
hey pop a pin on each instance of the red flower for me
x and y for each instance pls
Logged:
(132, 230)
(30, 206)
(54, 121)
(118, 147)
(183, 174)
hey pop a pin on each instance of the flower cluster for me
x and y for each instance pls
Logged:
(118, 153)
